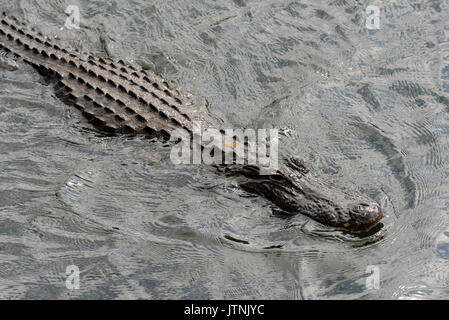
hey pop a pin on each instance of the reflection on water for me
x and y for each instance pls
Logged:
(367, 109)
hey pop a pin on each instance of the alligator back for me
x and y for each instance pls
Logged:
(114, 96)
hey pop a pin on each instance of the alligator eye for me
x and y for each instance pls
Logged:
(277, 178)
(298, 163)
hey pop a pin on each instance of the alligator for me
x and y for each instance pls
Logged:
(120, 98)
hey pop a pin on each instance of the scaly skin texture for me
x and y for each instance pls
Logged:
(119, 98)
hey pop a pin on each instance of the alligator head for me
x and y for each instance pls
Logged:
(294, 189)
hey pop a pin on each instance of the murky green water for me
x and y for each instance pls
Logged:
(367, 110)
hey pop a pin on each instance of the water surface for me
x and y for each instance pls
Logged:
(368, 110)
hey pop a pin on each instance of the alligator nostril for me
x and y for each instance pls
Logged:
(366, 215)
(361, 208)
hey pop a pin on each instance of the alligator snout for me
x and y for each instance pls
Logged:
(327, 203)
(364, 215)
(297, 191)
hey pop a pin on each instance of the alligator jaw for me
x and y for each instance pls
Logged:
(297, 191)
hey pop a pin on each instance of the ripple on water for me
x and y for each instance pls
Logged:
(365, 108)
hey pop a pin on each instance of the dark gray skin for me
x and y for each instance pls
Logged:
(119, 98)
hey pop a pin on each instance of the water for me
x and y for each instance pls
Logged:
(367, 109)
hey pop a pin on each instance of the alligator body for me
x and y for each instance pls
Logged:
(119, 98)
